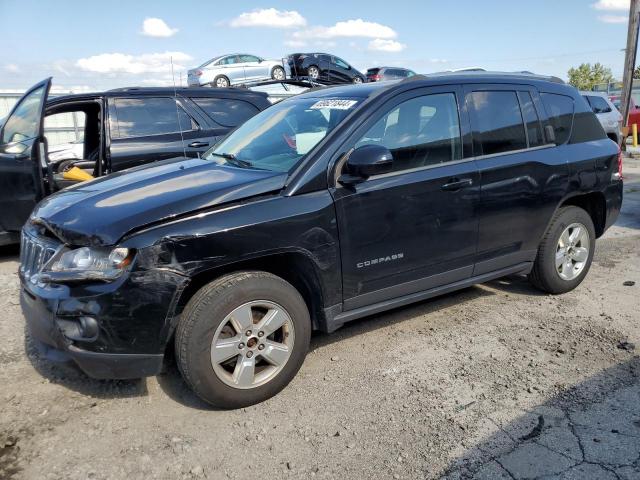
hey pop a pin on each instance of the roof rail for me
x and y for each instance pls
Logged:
(523, 73)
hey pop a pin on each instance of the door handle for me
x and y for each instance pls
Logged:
(456, 184)
(198, 144)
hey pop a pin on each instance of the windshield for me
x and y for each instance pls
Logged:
(277, 138)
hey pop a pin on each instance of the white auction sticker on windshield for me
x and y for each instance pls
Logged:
(335, 104)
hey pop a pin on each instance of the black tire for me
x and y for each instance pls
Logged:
(278, 69)
(544, 274)
(204, 313)
(219, 78)
(358, 79)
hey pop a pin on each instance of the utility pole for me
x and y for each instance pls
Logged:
(630, 58)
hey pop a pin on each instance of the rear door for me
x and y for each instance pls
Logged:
(145, 129)
(523, 176)
(22, 159)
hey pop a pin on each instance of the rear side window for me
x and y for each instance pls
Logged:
(599, 104)
(226, 111)
(499, 121)
(560, 111)
(534, 131)
(141, 117)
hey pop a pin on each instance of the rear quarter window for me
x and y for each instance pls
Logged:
(560, 112)
(227, 112)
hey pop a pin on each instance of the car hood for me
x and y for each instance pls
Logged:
(102, 211)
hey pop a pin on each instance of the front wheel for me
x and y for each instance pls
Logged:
(242, 338)
(278, 73)
(566, 251)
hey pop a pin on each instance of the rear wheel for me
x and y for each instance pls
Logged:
(357, 79)
(277, 73)
(242, 338)
(221, 82)
(566, 251)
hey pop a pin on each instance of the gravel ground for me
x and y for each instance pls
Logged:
(495, 381)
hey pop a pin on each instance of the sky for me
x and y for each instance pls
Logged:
(91, 45)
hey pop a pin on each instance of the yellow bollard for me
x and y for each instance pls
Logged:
(634, 129)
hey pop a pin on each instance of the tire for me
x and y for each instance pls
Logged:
(278, 73)
(220, 82)
(573, 263)
(313, 72)
(357, 79)
(207, 315)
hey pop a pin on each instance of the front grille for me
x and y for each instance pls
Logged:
(34, 254)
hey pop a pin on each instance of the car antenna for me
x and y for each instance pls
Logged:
(175, 99)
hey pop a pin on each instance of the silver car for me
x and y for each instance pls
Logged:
(236, 69)
(608, 115)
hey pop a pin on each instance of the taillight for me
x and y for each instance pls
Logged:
(374, 78)
(198, 73)
(618, 175)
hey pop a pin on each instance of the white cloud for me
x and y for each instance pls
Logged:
(156, 27)
(613, 18)
(12, 68)
(295, 43)
(438, 60)
(381, 45)
(269, 17)
(134, 64)
(611, 5)
(348, 28)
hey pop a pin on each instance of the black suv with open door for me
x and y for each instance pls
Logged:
(119, 129)
(327, 207)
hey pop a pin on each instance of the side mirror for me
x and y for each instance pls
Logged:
(550, 134)
(366, 161)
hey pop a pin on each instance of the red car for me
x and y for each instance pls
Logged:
(634, 110)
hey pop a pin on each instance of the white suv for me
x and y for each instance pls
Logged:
(607, 113)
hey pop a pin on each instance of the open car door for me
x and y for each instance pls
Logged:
(23, 162)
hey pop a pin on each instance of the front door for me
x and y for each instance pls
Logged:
(415, 228)
(22, 160)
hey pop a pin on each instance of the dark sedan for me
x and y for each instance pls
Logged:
(323, 68)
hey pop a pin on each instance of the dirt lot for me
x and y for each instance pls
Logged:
(495, 381)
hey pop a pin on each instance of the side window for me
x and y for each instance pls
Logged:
(499, 121)
(249, 59)
(24, 123)
(140, 117)
(420, 132)
(560, 111)
(228, 60)
(226, 111)
(341, 63)
(599, 104)
(534, 131)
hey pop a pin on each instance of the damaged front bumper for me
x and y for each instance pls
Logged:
(114, 330)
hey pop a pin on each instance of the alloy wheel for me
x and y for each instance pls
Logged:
(572, 251)
(357, 80)
(314, 73)
(222, 82)
(252, 344)
(278, 74)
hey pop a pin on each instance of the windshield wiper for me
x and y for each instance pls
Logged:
(233, 160)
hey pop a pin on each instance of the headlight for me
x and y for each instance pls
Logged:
(87, 263)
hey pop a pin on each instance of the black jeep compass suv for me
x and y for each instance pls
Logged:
(327, 207)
